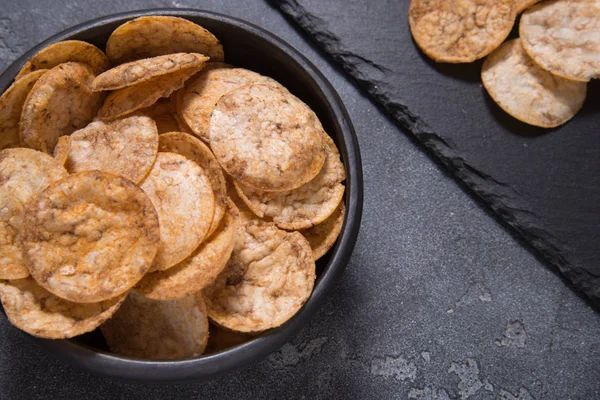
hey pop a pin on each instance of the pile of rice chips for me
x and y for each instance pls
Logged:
(152, 188)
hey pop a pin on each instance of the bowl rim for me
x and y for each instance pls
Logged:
(209, 366)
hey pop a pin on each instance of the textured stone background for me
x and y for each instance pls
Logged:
(439, 301)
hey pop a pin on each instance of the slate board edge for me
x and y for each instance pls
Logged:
(495, 195)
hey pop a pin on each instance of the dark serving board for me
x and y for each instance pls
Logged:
(543, 183)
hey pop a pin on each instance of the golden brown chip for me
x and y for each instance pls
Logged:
(562, 36)
(270, 275)
(526, 91)
(24, 173)
(38, 312)
(11, 106)
(184, 201)
(139, 71)
(198, 100)
(220, 339)
(125, 147)
(61, 150)
(267, 138)
(154, 329)
(305, 206)
(522, 5)
(60, 102)
(127, 100)
(159, 35)
(322, 237)
(90, 237)
(460, 31)
(62, 52)
(163, 114)
(200, 269)
(193, 149)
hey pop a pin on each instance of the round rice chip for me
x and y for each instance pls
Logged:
(125, 147)
(322, 237)
(262, 287)
(62, 52)
(154, 329)
(140, 71)
(200, 269)
(38, 312)
(184, 201)
(61, 150)
(220, 339)
(90, 237)
(11, 106)
(24, 173)
(305, 206)
(132, 98)
(460, 31)
(159, 35)
(163, 114)
(193, 149)
(526, 91)
(522, 5)
(60, 102)
(562, 36)
(200, 95)
(267, 138)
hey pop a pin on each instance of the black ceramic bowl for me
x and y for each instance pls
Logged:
(250, 47)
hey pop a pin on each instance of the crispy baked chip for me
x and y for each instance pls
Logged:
(24, 173)
(526, 91)
(125, 147)
(11, 106)
(90, 237)
(184, 201)
(159, 35)
(562, 36)
(193, 149)
(38, 312)
(522, 5)
(198, 99)
(460, 31)
(59, 103)
(139, 71)
(62, 52)
(220, 339)
(322, 237)
(154, 329)
(127, 100)
(270, 275)
(267, 138)
(200, 269)
(61, 150)
(305, 206)
(164, 115)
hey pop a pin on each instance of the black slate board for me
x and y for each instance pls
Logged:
(543, 183)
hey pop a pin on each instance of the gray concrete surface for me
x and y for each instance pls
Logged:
(439, 300)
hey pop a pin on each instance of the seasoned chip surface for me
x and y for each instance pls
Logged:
(305, 206)
(270, 275)
(24, 173)
(199, 269)
(127, 100)
(65, 51)
(193, 149)
(158, 35)
(522, 5)
(60, 102)
(90, 237)
(11, 106)
(184, 201)
(267, 138)
(562, 36)
(460, 31)
(38, 312)
(163, 114)
(526, 91)
(61, 150)
(154, 329)
(322, 237)
(125, 147)
(139, 71)
(200, 96)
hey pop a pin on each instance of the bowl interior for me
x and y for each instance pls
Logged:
(252, 48)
